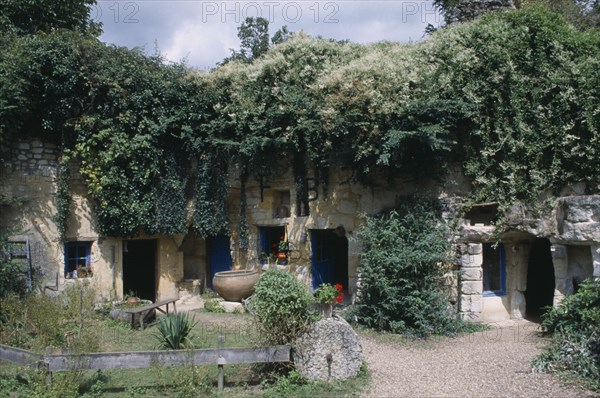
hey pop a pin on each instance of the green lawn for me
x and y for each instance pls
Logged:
(185, 381)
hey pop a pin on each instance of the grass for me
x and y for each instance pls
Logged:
(182, 381)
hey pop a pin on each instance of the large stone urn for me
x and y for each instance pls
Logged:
(235, 285)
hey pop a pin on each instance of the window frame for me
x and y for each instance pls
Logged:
(83, 251)
(502, 256)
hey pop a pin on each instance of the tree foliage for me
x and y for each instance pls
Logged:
(575, 328)
(254, 39)
(512, 97)
(31, 16)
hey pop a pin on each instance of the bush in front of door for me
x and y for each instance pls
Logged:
(403, 259)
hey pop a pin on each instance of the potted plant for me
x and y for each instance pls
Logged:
(283, 248)
(327, 296)
(263, 258)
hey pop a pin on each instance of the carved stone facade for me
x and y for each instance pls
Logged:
(495, 281)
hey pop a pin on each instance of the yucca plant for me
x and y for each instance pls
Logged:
(174, 331)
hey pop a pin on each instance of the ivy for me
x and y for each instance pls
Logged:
(512, 97)
(244, 233)
(63, 197)
(405, 254)
(210, 213)
(169, 199)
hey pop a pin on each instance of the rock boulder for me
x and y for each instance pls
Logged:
(330, 350)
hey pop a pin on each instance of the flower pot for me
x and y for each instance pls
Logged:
(235, 285)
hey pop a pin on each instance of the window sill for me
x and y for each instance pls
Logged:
(498, 293)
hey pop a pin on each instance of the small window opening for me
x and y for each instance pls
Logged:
(77, 260)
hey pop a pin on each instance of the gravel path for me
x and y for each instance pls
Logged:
(494, 363)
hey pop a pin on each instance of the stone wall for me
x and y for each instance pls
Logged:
(28, 172)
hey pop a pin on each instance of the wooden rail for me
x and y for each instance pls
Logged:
(147, 359)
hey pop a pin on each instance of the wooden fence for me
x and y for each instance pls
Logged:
(146, 359)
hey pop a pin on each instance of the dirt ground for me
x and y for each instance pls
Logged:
(492, 363)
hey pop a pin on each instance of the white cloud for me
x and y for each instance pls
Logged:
(201, 44)
(204, 31)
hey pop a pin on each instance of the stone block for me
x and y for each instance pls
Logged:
(474, 248)
(24, 146)
(472, 287)
(471, 274)
(596, 260)
(37, 144)
(476, 303)
(471, 303)
(470, 261)
(564, 286)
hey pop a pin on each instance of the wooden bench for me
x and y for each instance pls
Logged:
(144, 312)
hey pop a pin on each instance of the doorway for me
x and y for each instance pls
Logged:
(540, 279)
(139, 268)
(329, 257)
(219, 256)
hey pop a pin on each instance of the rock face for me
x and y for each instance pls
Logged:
(578, 219)
(330, 350)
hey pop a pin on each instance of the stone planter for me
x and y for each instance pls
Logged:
(118, 312)
(235, 285)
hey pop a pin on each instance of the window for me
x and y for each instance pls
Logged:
(77, 260)
(269, 238)
(494, 270)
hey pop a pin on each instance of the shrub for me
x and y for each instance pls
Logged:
(213, 305)
(575, 328)
(281, 307)
(174, 331)
(401, 272)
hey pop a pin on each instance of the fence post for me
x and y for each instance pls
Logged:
(46, 366)
(220, 363)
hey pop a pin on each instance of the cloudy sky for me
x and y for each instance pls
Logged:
(203, 31)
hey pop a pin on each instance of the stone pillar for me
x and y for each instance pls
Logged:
(520, 255)
(471, 281)
(596, 260)
(563, 285)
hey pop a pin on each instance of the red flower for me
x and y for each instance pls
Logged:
(339, 287)
(274, 245)
(340, 297)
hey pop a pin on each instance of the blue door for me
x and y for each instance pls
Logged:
(322, 259)
(219, 256)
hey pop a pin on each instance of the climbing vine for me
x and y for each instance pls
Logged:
(210, 213)
(169, 199)
(63, 197)
(244, 233)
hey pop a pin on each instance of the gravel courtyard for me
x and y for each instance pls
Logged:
(493, 363)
